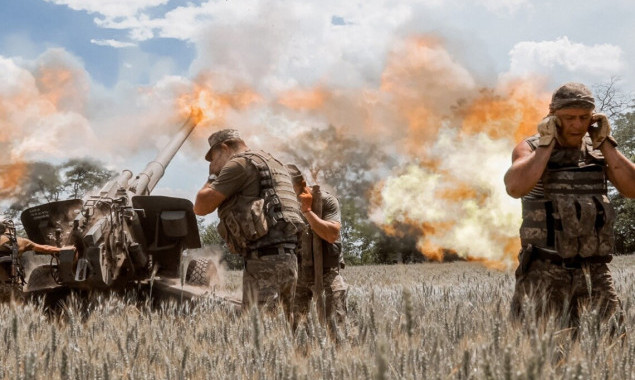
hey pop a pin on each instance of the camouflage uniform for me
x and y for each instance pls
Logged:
(261, 221)
(334, 286)
(567, 238)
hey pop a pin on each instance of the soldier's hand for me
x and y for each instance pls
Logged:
(548, 129)
(600, 130)
(306, 199)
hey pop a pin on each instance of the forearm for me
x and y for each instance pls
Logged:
(45, 249)
(326, 230)
(621, 171)
(526, 171)
(207, 200)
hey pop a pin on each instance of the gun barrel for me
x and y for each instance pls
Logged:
(146, 180)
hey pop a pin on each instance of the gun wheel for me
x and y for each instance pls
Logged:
(200, 272)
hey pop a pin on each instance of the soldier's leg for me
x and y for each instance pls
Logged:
(287, 276)
(335, 290)
(261, 283)
(542, 288)
(596, 292)
(303, 293)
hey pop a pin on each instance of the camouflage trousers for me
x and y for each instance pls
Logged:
(334, 293)
(564, 292)
(269, 281)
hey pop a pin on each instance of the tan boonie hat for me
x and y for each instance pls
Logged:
(572, 95)
(219, 137)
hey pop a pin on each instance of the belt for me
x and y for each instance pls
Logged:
(269, 251)
(574, 262)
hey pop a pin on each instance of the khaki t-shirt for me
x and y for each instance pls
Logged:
(238, 176)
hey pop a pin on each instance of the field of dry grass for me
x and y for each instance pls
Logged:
(423, 321)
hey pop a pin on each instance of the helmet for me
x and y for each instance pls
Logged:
(572, 94)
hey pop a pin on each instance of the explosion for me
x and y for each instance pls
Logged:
(460, 146)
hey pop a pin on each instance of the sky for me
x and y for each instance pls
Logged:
(112, 79)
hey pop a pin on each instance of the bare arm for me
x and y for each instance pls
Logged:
(28, 245)
(326, 230)
(207, 200)
(620, 170)
(527, 168)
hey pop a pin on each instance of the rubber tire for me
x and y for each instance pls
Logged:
(198, 272)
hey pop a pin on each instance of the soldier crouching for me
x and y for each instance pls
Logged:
(567, 237)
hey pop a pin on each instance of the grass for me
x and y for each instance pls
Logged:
(421, 321)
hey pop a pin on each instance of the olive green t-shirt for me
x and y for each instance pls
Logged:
(238, 176)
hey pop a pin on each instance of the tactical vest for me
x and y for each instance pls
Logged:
(568, 210)
(273, 218)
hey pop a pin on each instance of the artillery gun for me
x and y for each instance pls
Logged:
(120, 234)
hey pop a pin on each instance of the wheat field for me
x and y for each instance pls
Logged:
(420, 321)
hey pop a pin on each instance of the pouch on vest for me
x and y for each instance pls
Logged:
(331, 257)
(606, 216)
(229, 230)
(577, 217)
(254, 221)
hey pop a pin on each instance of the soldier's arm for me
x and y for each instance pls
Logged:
(620, 170)
(527, 168)
(28, 245)
(325, 229)
(229, 181)
(207, 200)
(328, 226)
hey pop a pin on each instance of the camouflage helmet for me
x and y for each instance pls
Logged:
(219, 137)
(572, 95)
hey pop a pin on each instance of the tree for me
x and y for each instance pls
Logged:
(624, 133)
(210, 236)
(618, 107)
(353, 167)
(44, 182)
(82, 175)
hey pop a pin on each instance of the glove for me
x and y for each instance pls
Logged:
(602, 131)
(306, 200)
(548, 129)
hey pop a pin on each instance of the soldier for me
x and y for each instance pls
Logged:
(259, 217)
(567, 230)
(10, 243)
(326, 227)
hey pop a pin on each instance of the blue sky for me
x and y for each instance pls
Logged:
(129, 60)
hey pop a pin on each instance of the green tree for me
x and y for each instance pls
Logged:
(353, 167)
(82, 175)
(624, 133)
(210, 236)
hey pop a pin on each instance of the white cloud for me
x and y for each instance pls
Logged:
(112, 43)
(600, 60)
(110, 8)
(504, 6)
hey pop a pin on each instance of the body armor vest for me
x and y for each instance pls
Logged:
(568, 210)
(272, 218)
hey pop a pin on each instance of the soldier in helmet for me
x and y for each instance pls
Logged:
(259, 217)
(567, 239)
(327, 227)
(9, 242)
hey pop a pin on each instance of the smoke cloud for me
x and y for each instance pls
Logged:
(451, 135)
